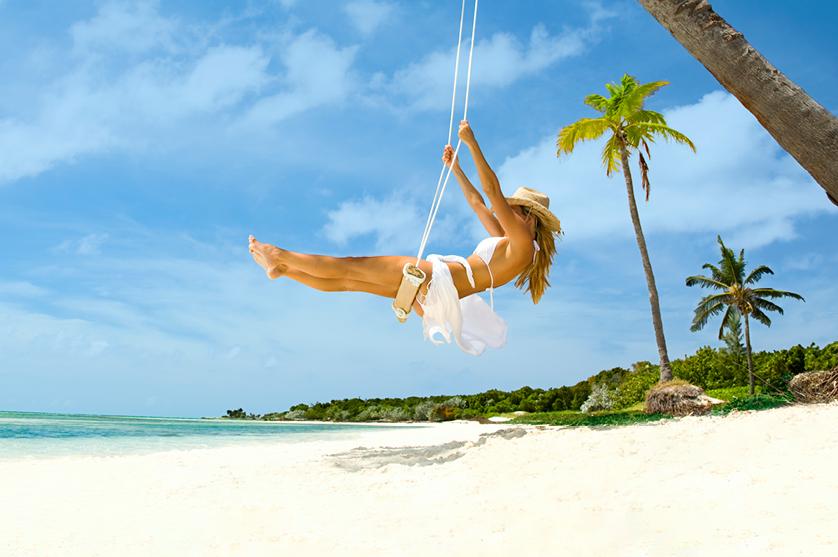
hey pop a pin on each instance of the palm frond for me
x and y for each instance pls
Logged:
(775, 294)
(644, 175)
(712, 299)
(766, 305)
(581, 130)
(732, 270)
(636, 96)
(666, 132)
(611, 156)
(646, 116)
(705, 282)
(757, 314)
(758, 273)
(597, 102)
(628, 81)
(635, 136)
(717, 273)
(707, 308)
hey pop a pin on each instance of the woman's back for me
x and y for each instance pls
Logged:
(494, 262)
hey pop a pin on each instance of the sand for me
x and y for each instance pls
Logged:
(759, 484)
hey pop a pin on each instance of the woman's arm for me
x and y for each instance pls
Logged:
(514, 227)
(475, 200)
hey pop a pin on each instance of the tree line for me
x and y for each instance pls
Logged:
(708, 367)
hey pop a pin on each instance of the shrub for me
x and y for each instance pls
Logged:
(394, 414)
(636, 384)
(710, 369)
(756, 402)
(447, 410)
(819, 359)
(599, 399)
(422, 411)
(295, 415)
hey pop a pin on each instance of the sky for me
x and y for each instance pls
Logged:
(142, 141)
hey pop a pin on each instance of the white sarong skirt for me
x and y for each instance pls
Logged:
(471, 322)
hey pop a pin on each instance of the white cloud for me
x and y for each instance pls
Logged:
(498, 61)
(87, 245)
(368, 15)
(222, 77)
(91, 244)
(132, 27)
(29, 149)
(740, 182)
(396, 224)
(19, 288)
(807, 262)
(96, 106)
(317, 73)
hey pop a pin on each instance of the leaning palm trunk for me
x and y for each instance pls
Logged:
(800, 125)
(657, 322)
(748, 352)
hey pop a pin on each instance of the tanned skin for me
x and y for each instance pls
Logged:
(381, 275)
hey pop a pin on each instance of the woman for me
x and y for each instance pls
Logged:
(520, 246)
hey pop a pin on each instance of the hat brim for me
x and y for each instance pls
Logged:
(545, 215)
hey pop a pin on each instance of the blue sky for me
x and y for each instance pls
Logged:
(141, 142)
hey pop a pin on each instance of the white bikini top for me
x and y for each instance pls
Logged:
(485, 250)
(487, 246)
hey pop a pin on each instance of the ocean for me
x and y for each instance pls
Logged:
(29, 434)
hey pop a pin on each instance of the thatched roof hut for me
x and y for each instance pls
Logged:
(678, 398)
(815, 386)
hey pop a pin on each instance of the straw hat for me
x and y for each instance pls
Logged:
(538, 204)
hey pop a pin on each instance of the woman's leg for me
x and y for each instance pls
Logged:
(381, 270)
(341, 285)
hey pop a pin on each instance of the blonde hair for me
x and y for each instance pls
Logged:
(533, 279)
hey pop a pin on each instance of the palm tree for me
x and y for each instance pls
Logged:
(801, 125)
(736, 296)
(629, 127)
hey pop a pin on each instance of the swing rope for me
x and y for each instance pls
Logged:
(442, 182)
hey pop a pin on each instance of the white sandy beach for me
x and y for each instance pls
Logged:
(748, 484)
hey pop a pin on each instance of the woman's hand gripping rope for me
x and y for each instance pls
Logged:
(466, 134)
(448, 158)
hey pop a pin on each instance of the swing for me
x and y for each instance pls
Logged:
(412, 276)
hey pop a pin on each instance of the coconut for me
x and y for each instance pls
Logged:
(678, 398)
(815, 386)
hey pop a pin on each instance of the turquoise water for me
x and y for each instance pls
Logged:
(26, 434)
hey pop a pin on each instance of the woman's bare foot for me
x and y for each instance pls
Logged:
(268, 257)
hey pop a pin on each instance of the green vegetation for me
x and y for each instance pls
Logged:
(730, 393)
(737, 297)
(755, 402)
(630, 129)
(606, 418)
(718, 371)
(240, 414)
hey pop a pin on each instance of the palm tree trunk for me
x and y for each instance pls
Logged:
(800, 124)
(657, 322)
(748, 352)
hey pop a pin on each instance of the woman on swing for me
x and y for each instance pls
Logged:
(520, 246)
